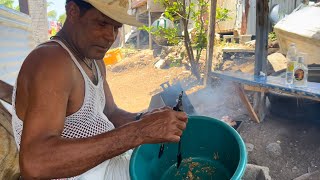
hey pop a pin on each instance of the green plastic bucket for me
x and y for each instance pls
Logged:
(211, 149)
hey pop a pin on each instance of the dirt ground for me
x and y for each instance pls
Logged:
(134, 80)
(299, 142)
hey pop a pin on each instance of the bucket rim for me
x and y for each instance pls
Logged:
(243, 152)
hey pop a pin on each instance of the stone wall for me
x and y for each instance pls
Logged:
(38, 14)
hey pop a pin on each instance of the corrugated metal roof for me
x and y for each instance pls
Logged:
(15, 42)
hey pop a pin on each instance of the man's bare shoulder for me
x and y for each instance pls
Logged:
(48, 54)
(48, 62)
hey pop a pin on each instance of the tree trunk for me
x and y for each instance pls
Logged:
(187, 43)
(211, 37)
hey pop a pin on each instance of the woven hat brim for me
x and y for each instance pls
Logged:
(115, 12)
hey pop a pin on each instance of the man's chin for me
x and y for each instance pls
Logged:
(97, 56)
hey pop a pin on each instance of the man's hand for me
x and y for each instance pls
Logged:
(162, 125)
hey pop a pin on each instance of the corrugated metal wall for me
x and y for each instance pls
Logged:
(251, 22)
(15, 42)
(237, 8)
(286, 7)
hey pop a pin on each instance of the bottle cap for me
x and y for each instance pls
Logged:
(292, 44)
(300, 59)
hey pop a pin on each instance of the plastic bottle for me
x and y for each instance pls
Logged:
(291, 62)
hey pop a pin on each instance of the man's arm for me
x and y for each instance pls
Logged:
(116, 115)
(44, 154)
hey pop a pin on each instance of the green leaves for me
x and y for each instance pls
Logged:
(52, 14)
(188, 12)
(9, 4)
(222, 14)
(170, 34)
(272, 36)
(62, 18)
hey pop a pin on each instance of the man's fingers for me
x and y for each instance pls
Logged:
(178, 132)
(181, 125)
(182, 116)
(175, 138)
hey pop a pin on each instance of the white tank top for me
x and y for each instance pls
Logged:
(88, 121)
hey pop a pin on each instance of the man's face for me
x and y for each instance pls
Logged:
(95, 33)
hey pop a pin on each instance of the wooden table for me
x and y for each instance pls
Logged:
(262, 84)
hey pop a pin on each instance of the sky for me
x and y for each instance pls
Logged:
(58, 6)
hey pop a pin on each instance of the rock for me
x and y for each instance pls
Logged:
(160, 64)
(157, 59)
(185, 61)
(227, 65)
(245, 38)
(294, 169)
(273, 50)
(313, 164)
(254, 172)
(274, 44)
(309, 176)
(277, 61)
(274, 150)
(168, 60)
(251, 43)
(250, 147)
(187, 72)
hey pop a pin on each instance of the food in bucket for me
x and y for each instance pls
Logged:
(193, 170)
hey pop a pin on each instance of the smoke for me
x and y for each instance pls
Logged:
(221, 100)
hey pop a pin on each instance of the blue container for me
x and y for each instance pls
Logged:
(211, 149)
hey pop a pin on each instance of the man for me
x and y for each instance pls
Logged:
(63, 110)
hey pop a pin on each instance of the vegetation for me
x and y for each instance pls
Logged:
(188, 12)
(9, 4)
(272, 36)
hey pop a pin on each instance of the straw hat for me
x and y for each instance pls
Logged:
(117, 10)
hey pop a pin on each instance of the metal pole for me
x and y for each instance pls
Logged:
(261, 53)
(261, 50)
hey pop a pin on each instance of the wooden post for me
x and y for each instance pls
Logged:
(211, 38)
(150, 38)
(123, 36)
(261, 52)
(24, 7)
(245, 18)
(246, 102)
